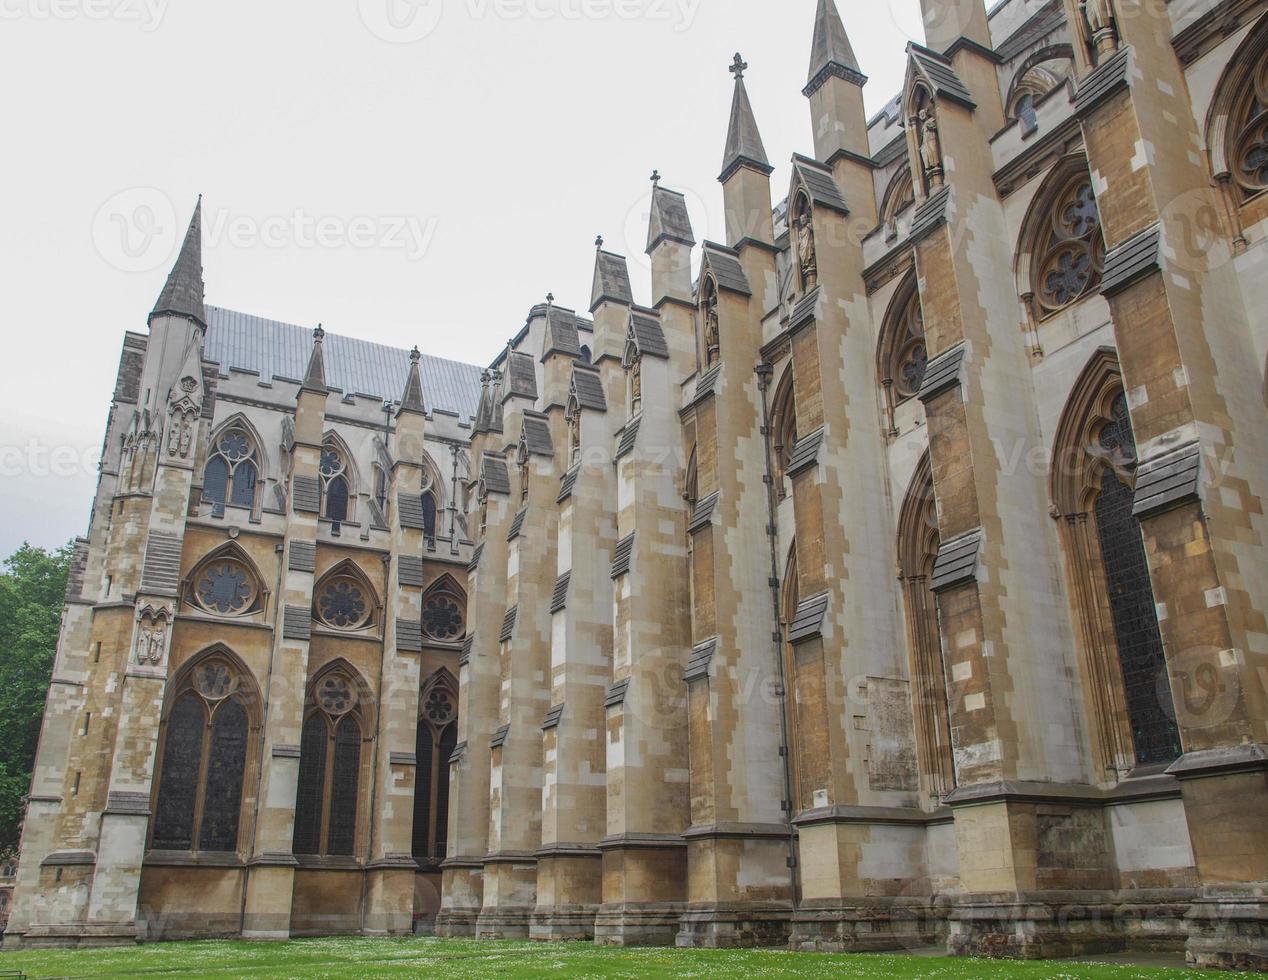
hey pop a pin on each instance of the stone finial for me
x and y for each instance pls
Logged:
(738, 67)
(598, 242)
(656, 177)
(415, 355)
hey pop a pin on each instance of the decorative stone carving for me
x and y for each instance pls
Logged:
(930, 147)
(152, 632)
(1101, 30)
(806, 257)
(712, 331)
(636, 380)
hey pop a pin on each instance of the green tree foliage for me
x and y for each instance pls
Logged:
(32, 591)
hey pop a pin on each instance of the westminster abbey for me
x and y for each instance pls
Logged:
(898, 578)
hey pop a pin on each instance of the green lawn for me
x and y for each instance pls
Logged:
(352, 957)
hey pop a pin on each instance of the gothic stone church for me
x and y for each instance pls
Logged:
(898, 577)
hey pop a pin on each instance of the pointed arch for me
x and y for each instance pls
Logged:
(710, 326)
(1061, 250)
(1237, 122)
(226, 583)
(783, 428)
(898, 197)
(1034, 80)
(902, 354)
(233, 475)
(918, 543)
(445, 610)
(344, 599)
(437, 737)
(207, 754)
(338, 475)
(789, 599)
(1121, 652)
(333, 775)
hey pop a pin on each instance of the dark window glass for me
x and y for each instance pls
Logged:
(423, 749)
(215, 482)
(1132, 604)
(312, 783)
(178, 784)
(337, 499)
(429, 514)
(244, 485)
(448, 742)
(1027, 114)
(585, 354)
(343, 787)
(226, 764)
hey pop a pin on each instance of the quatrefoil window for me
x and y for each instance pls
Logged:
(215, 680)
(336, 695)
(1071, 250)
(439, 708)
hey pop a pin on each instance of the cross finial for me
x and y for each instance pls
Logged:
(739, 66)
(598, 242)
(319, 334)
(550, 298)
(656, 177)
(415, 355)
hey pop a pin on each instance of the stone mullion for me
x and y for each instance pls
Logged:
(269, 886)
(478, 695)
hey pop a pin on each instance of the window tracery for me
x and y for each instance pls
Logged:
(336, 486)
(1248, 134)
(437, 736)
(326, 807)
(1069, 251)
(232, 471)
(444, 612)
(904, 349)
(225, 585)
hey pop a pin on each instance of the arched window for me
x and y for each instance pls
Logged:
(1124, 662)
(203, 757)
(225, 584)
(232, 472)
(904, 355)
(445, 611)
(1062, 240)
(1247, 140)
(918, 542)
(1035, 78)
(344, 599)
(586, 355)
(429, 517)
(336, 481)
(899, 196)
(380, 488)
(437, 736)
(330, 752)
(783, 429)
(789, 600)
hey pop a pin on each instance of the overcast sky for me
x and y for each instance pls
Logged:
(406, 171)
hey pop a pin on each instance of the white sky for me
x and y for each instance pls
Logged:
(460, 176)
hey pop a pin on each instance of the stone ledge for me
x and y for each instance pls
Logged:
(1220, 762)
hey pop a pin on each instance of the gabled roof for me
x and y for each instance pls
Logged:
(561, 334)
(819, 183)
(647, 335)
(726, 268)
(669, 219)
(611, 280)
(587, 385)
(938, 73)
(521, 376)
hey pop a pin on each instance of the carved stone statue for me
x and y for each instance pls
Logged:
(1100, 22)
(484, 511)
(151, 640)
(636, 380)
(930, 148)
(574, 434)
(180, 438)
(712, 342)
(806, 250)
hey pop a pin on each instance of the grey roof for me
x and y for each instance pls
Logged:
(805, 309)
(561, 334)
(409, 510)
(303, 557)
(629, 437)
(820, 184)
(521, 376)
(1131, 260)
(517, 525)
(1039, 26)
(273, 349)
(702, 513)
(409, 570)
(611, 280)
(956, 563)
(587, 385)
(476, 555)
(499, 737)
(743, 141)
(806, 452)
(648, 336)
(939, 73)
(807, 622)
(830, 51)
(931, 214)
(553, 717)
(1109, 76)
(409, 635)
(708, 383)
(622, 556)
(559, 598)
(699, 661)
(726, 268)
(942, 372)
(297, 623)
(568, 483)
(616, 693)
(508, 624)
(493, 472)
(537, 435)
(182, 294)
(306, 494)
(669, 219)
(1168, 481)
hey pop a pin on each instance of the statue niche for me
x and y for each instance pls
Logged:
(804, 236)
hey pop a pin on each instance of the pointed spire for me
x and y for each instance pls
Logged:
(412, 400)
(743, 141)
(495, 397)
(315, 376)
(484, 413)
(830, 51)
(182, 295)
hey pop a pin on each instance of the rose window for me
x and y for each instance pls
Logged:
(1072, 253)
(234, 446)
(335, 695)
(1249, 150)
(442, 618)
(225, 588)
(439, 708)
(215, 680)
(343, 604)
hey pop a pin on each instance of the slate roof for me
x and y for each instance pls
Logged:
(820, 183)
(940, 74)
(648, 335)
(611, 280)
(669, 219)
(561, 334)
(537, 435)
(726, 268)
(521, 376)
(588, 386)
(276, 350)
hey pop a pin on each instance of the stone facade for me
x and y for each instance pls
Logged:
(897, 577)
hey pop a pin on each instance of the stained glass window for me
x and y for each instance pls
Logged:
(448, 742)
(222, 803)
(1071, 252)
(178, 781)
(1248, 132)
(225, 587)
(910, 356)
(343, 787)
(443, 617)
(429, 515)
(335, 489)
(343, 604)
(424, 749)
(232, 472)
(312, 786)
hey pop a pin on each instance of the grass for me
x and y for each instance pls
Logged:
(357, 957)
